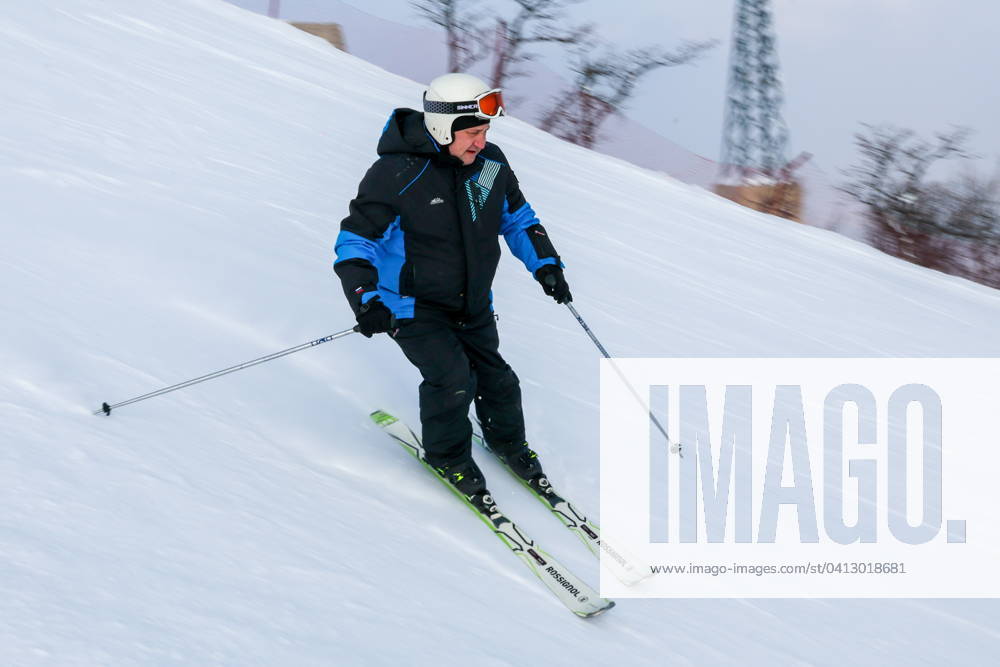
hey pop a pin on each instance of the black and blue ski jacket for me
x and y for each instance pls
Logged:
(424, 228)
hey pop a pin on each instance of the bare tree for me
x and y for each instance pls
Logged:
(603, 85)
(952, 226)
(890, 183)
(967, 216)
(467, 41)
(536, 22)
(968, 207)
(894, 166)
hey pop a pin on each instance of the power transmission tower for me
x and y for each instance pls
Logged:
(755, 136)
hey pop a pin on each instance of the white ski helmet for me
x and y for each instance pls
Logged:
(455, 95)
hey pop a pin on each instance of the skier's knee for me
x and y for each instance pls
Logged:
(499, 385)
(446, 397)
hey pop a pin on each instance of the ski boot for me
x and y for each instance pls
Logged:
(468, 479)
(523, 462)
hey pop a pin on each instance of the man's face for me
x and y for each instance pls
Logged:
(468, 143)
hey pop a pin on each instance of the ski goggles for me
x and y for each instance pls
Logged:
(486, 105)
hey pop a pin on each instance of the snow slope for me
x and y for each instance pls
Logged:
(172, 175)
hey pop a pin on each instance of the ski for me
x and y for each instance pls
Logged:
(572, 591)
(626, 568)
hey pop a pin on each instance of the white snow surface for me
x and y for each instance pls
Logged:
(172, 177)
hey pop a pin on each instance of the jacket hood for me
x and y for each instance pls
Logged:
(404, 132)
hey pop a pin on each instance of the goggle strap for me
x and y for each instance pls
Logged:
(431, 106)
(473, 106)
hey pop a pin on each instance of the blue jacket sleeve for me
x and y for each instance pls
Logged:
(370, 215)
(522, 231)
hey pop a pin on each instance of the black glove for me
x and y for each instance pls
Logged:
(373, 317)
(553, 282)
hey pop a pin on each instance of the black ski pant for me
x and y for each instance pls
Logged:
(458, 358)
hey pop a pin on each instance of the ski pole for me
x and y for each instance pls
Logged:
(106, 409)
(674, 447)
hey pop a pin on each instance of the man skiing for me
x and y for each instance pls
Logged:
(417, 255)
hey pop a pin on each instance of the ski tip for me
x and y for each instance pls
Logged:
(598, 612)
(382, 418)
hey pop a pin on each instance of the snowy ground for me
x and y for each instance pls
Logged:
(172, 176)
